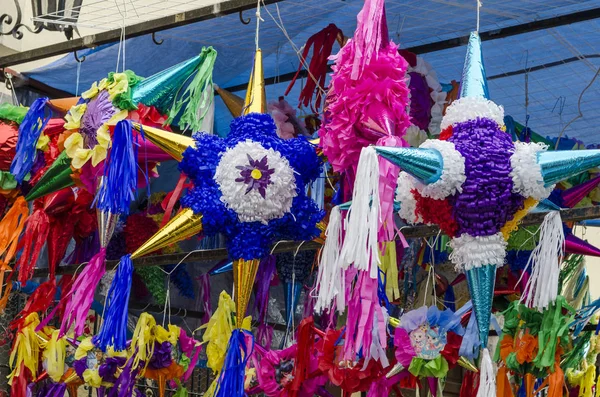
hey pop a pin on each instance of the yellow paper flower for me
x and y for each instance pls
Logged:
(42, 143)
(73, 118)
(92, 92)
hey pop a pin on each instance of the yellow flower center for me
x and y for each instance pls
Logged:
(256, 174)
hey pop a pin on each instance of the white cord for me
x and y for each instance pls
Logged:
(258, 20)
(478, 11)
(78, 74)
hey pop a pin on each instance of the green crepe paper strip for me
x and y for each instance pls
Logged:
(181, 390)
(524, 239)
(13, 113)
(154, 278)
(554, 325)
(570, 268)
(123, 101)
(437, 368)
(577, 354)
(184, 361)
(7, 181)
(198, 95)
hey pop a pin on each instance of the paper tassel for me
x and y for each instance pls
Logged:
(119, 183)
(141, 347)
(292, 296)
(362, 222)
(54, 353)
(204, 294)
(113, 331)
(424, 164)
(473, 82)
(256, 97)
(232, 377)
(29, 132)
(244, 273)
(34, 238)
(182, 226)
(262, 288)
(233, 102)
(322, 43)
(81, 295)
(11, 227)
(330, 278)
(487, 377)
(306, 342)
(544, 262)
(170, 142)
(563, 164)
(198, 96)
(26, 349)
(57, 177)
(575, 245)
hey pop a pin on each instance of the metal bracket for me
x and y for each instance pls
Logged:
(157, 42)
(242, 20)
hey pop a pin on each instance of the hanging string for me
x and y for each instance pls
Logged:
(478, 12)
(77, 81)
(258, 20)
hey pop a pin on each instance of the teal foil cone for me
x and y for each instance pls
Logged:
(563, 164)
(57, 177)
(160, 89)
(481, 282)
(424, 164)
(473, 82)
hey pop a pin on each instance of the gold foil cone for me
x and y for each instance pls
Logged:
(183, 225)
(396, 369)
(256, 97)
(234, 103)
(466, 364)
(172, 143)
(244, 273)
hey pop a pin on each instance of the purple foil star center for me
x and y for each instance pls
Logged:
(256, 174)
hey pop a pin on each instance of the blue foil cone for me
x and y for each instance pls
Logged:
(473, 82)
(426, 165)
(563, 164)
(160, 89)
(481, 282)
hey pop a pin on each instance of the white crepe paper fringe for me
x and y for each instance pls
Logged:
(544, 263)
(487, 376)
(453, 174)
(405, 197)
(251, 206)
(362, 221)
(330, 278)
(471, 108)
(438, 96)
(526, 172)
(470, 252)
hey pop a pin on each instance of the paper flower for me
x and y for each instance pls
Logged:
(251, 186)
(427, 341)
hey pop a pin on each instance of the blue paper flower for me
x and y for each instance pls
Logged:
(251, 186)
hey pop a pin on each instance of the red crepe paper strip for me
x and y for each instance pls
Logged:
(36, 233)
(38, 302)
(306, 339)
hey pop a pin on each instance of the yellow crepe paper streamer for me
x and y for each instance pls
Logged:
(513, 224)
(389, 266)
(54, 353)
(26, 349)
(142, 342)
(171, 336)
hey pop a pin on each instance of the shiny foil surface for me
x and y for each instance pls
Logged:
(558, 165)
(473, 82)
(244, 273)
(481, 282)
(57, 177)
(426, 165)
(182, 226)
(159, 90)
(170, 142)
